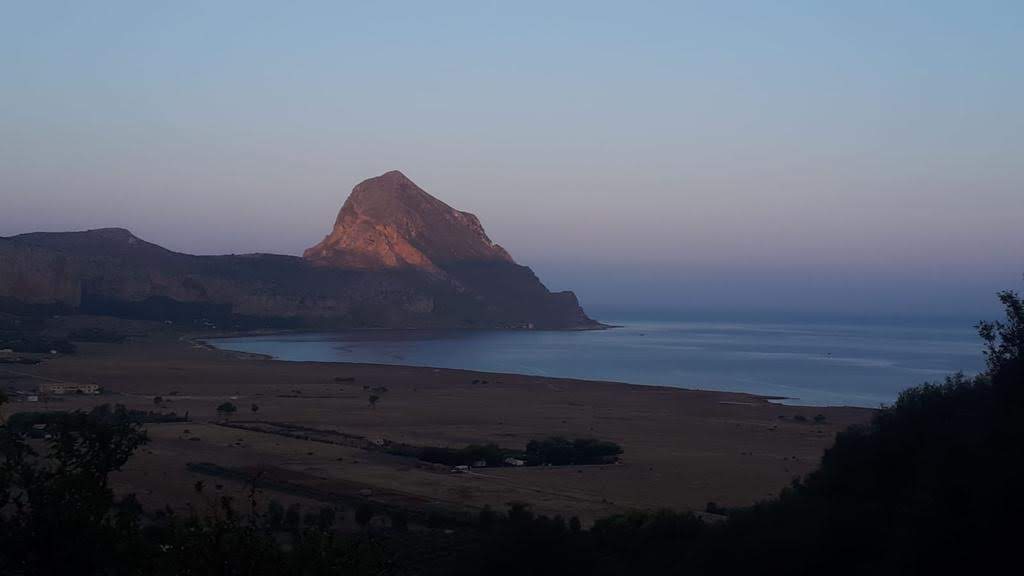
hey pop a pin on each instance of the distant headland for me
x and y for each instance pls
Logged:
(396, 258)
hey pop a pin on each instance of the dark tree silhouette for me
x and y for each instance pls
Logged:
(364, 514)
(1004, 341)
(58, 510)
(227, 409)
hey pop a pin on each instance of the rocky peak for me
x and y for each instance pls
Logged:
(390, 222)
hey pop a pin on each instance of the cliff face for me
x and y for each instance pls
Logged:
(390, 222)
(397, 257)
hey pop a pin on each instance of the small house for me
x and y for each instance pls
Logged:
(61, 388)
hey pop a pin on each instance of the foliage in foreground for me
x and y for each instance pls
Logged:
(931, 485)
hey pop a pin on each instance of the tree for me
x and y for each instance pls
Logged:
(325, 518)
(4, 399)
(399, 520)
(373, 400)
(275, 515)
(1004, 341)
(574, 525)
(292, 517)
(158, 400)
(559, 451)
(254, 408)
(364, 514)
(59, 511)
(227, 409)
(487, 517)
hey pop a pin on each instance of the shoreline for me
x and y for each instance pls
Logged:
(775, 399)
(682, 448)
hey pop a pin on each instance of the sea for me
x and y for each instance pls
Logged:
(812, 363)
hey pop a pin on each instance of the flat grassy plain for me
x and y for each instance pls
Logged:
(682, 448)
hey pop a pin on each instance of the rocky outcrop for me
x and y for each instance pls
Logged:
(390, 222)
(397, 257)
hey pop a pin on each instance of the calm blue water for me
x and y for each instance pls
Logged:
(807, 363)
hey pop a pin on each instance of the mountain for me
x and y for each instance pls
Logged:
(390, 222)
(397, 257)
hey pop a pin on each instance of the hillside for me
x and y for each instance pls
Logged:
(393, 260)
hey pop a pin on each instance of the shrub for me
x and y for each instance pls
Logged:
(559, 451)
(227, 409)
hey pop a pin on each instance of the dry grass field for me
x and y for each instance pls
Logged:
(682, 448)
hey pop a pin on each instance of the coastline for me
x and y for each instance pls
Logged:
(682, 448)
(269, 357)
(798, 397)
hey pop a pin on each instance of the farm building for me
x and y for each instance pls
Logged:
(60, 388)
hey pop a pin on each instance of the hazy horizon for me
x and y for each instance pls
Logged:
(802, 159)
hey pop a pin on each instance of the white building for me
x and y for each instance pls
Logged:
(59, 388)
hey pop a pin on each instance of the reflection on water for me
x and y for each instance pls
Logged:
(816, 364)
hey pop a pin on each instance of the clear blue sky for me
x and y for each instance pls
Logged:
(864, 157)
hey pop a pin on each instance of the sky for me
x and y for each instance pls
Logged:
(859, 158)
